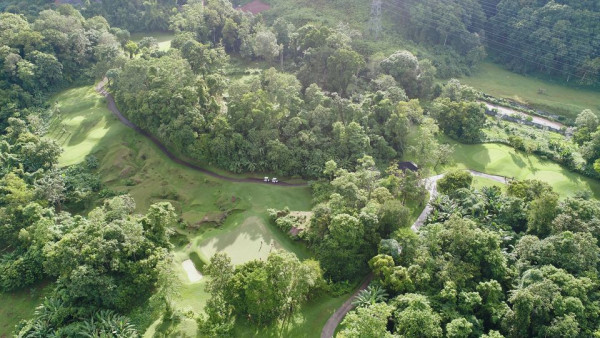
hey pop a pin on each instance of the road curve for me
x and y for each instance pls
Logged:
(100, 88)
(339, 314)
(431, 186)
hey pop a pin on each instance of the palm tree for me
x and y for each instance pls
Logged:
(106, 323)
(374, 293)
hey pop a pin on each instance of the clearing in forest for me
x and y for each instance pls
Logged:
(80, 122)
(498, 159)
(555, 98)
(250, 240)
(163, 38)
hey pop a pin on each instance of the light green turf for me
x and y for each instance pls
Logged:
(498, 159)
(19, 305)
(251, 239)
(480, 182)
(558, 98)
(80, 123)
(163, 38)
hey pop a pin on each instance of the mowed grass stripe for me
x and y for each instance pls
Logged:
(498, 159)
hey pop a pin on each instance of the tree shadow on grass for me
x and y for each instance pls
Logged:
(532, 166)
(246, 236)
(88, 124)
(517, 159)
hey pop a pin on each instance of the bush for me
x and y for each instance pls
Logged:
(454, 180)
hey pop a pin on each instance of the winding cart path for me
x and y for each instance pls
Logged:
(101, 89)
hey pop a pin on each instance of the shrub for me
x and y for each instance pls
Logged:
(454, 180)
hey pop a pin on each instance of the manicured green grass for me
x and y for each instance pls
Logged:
(16, 306)
(252, 239)
(164, 38)
(558, 98)
(480, 182)
(82, 121)
(502, 160)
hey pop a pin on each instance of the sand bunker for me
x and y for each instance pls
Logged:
(191, 271)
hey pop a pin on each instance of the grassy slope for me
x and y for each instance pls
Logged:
(132, 164)
(19, 305)
(503, 160)
(559, 99)
(81, 124)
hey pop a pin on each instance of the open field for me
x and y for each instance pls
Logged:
(503, 160)
(19, 305)
(252, 239)
(558, 99)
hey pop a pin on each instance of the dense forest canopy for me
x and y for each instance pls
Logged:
(555, 37)
(509, 264)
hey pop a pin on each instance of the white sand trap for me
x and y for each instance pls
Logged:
(191, 271)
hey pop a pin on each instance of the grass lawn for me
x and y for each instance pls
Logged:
(480, 182)
(82, 122)
(221, 215)
(163, 38)
(249, 238)
(16, 306)
(559, 99)
(502, 160)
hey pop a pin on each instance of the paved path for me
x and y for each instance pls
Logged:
(100, 88)
(431, 186)
(339, 314)
(535, 119)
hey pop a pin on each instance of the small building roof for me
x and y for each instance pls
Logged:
(412, 166)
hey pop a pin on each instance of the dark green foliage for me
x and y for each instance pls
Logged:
(270, 125)
(258, 291)
(135, 16)
(473, 273)
(460, 120)
(555, 38)
(39, 57)
(347, 227)
(558, 38)
(454, 180)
